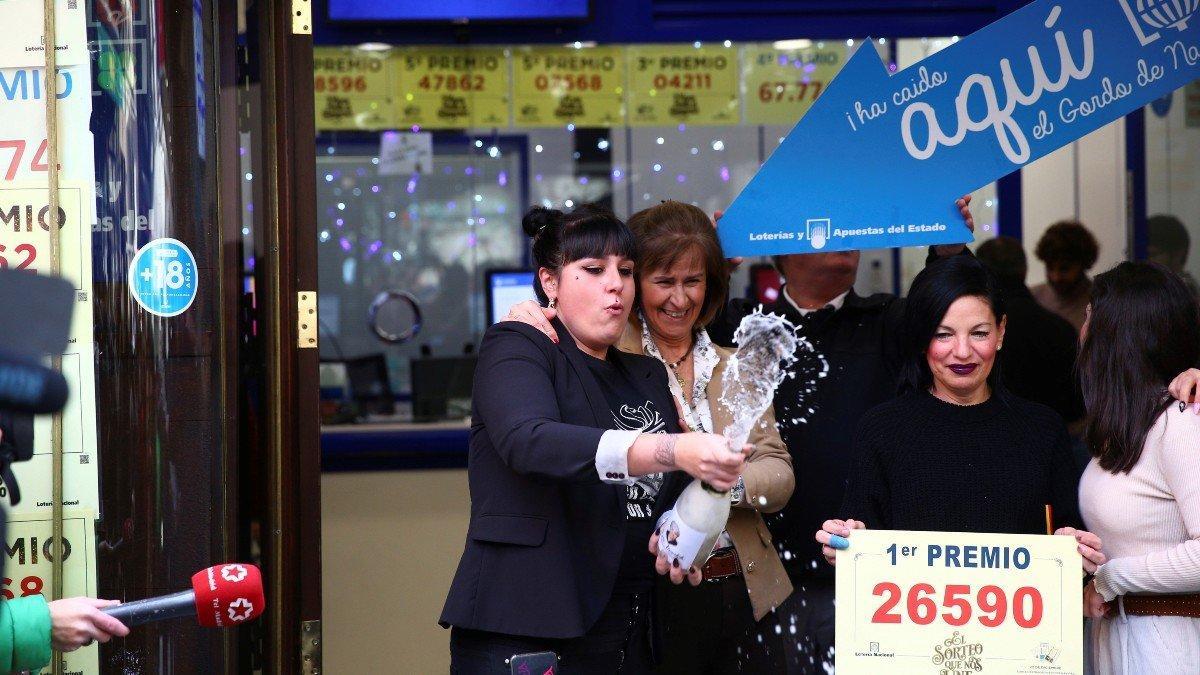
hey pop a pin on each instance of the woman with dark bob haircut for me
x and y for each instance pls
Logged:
(956, 452)
(1141, 491)
(575, 451)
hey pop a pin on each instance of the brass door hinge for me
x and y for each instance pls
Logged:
(301, 17)
(310, 647)
(306, 319)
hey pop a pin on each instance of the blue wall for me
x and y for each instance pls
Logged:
(625, 21)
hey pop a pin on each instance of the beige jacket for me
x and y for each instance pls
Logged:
(769, 482)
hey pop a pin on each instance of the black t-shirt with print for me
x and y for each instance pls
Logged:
(632, 411)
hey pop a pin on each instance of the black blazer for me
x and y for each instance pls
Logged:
(546, 535)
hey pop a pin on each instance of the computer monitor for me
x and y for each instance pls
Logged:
(441, 387)
(370, 387)
(506, 288)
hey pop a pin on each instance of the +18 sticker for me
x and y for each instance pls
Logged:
(162, 277)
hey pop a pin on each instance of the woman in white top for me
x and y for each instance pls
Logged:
(1141, 491)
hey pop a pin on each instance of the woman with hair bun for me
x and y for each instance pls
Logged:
(726, 623)
(575, 451)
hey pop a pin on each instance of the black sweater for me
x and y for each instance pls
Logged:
(924, 464)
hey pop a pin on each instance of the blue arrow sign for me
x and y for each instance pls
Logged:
(879, 159)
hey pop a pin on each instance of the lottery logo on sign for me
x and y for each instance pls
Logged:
(162, 277)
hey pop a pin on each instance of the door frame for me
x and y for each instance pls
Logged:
(290, 517)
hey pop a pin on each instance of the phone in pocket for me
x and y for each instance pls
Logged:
(536, 663)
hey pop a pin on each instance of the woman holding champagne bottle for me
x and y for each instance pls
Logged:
(682, 282)
(575, 450)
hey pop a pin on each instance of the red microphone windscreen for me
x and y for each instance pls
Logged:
(228, 595)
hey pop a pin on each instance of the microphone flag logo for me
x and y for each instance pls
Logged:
(234, 573)
(236, 607)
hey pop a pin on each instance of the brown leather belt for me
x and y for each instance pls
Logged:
(1162, 605)
(722, 564)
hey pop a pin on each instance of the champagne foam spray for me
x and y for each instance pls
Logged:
(767, 346)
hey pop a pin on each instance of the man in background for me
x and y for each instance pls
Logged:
(1068, 250)
(1038, 359)
(1168, 246)
(818, 408)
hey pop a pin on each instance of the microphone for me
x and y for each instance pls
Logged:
(29, 387)
(221, 596)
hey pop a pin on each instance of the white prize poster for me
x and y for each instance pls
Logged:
(23, 45)
(25, 223)
(950, 603)
(28, 567)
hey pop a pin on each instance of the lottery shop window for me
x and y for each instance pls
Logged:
(420, 217)
(1172, 173)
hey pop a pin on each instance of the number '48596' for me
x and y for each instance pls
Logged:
(990, 606)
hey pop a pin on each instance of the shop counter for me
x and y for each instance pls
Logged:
(394, 446)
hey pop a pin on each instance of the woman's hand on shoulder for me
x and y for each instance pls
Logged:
(675, 572)
(1186, 388)
(1089, 547)
(529, 312)
(834, 536)
(707, 457)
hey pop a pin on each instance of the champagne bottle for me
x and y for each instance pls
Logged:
(766, 344)
(689, 530)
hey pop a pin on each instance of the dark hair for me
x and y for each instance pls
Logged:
(667, 232)
(1005, 257)
(933, 291)
(1068, 241)
(1168, 233)
(1144, 330)
(590, 231)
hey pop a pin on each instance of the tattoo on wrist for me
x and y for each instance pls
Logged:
(664, 450)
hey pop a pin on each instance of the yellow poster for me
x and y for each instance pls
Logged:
(353, 88)
(29, 565)
(451, 87)
(562, 85)
(945, 603)
(682, 84)
(780, 85)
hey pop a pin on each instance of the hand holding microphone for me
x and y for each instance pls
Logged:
(76, 622)
(221, 596)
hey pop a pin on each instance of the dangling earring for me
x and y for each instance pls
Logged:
(553, 302)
